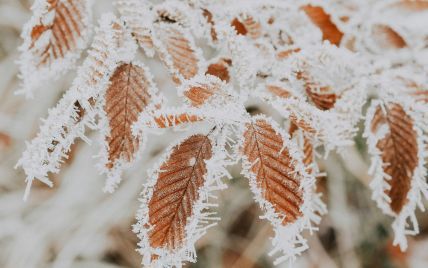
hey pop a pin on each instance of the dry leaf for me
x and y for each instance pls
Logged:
(286, 53)
(411, 5)
(5, 140)
(301, 123)
(62, 32)
(135, 14)
(274, 169)
(387, 38)
(170, 120)
(220, 69)
(176, 190)
(322, 97)
(53, 40)
(180, 51)
(323, 21)
(399, 151)
(200, 92)
(247, 25)
(209, 17)
(126, 97)
(239, 27)
(278, 91)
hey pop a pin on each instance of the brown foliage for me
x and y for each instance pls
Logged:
(399, 151)
(274, 169)
(180, 48)
(126, 97)
(165, 121)
(322, 97)
(323, 21)
(209, 17)
(176, 190)
(220, 69)
(199, 94)
(387, 38)
(65, 30)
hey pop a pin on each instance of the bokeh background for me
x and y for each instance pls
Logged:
(75, 224)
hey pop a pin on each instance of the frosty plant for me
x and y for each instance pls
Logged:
(317, 63)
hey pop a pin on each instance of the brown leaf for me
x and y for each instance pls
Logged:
(301, 123)
(399, 151)
(64, 31)
(176, 190)
(239, 26)
(286, 53)
(322, 97)
(247, 25)
(278, 91)
(180, 47)
(165, 121)
(200, 93)
(411, 5)
(5, 140)
(387, 38)
(323, 21)
(126, 97)
(420, 95)
(274, 169)
(220, 69)
(306, 146)
(134, 12)
(209, 17)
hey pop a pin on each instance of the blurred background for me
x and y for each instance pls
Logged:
(75, 224)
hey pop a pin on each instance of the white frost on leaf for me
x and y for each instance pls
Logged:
(288, 241)
(203, 216)
(59, 130)
(405, 222)
(34, 71)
